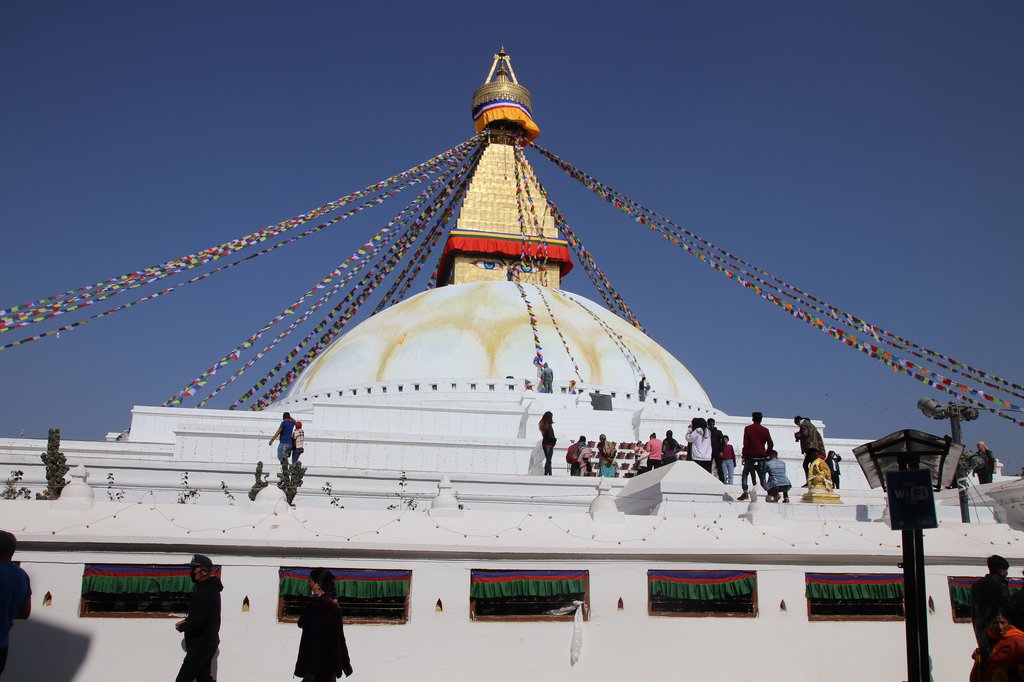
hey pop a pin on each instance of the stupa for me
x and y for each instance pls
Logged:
(422, 495)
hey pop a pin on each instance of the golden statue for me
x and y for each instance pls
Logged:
(820, 489)
(819, 476)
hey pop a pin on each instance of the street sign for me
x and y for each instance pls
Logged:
(911, 500)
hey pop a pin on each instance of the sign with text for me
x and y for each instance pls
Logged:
(911, 499)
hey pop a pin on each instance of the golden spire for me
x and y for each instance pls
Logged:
(501, 102)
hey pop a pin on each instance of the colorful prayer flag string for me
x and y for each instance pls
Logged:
(402, 235)
(612, 298)
(538, 352)
(706, 251)
(43, 308)
(358, 259)
(368, 284)
(565, 344)
(198, 278)
(615, 338)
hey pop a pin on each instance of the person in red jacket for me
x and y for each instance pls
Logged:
(1006, 662)
(756, 444)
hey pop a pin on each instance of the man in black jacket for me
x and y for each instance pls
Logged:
(989, 596)
(717, 446)
(202, 625)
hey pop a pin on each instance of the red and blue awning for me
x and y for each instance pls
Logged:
(854, 586)
(353, 583)
(960, 588)
(496, 584)
(131, 579)
(701, 585)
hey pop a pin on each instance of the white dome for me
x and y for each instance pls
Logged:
(482, 331)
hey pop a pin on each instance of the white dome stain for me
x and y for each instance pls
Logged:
(482, 331)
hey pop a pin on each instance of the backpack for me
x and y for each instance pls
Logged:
(572, 455)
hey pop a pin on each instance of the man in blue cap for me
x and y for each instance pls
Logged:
(202, 625)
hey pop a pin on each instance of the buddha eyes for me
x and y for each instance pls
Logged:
(496, 265)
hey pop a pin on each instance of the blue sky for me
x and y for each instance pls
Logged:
(871, 153)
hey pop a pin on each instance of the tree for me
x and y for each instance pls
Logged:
(261, 481)
(56, 467)
(290, 479)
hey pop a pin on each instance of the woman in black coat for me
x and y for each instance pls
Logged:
(548, 440)
(323, 655)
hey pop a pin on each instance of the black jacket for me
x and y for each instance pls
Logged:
(322, 649)
(989, 595)
(717, 443)
(203, 621)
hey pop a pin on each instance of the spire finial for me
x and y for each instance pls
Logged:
(500, 95)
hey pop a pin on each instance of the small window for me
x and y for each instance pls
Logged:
(528, 595)
(854, 596)
(960, 595)
(136, 591)
(702, 593)
(364, 595)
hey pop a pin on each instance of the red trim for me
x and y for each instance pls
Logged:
(505, 245)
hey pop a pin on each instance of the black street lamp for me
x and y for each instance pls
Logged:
(955, 412)
(909, 465)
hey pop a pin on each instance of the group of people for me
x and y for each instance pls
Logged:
(704, 444)
(821, 469)
(585, 459)
(291, 440)
(997, 618)
(323, 653)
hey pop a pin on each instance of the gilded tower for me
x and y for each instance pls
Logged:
(504, 234)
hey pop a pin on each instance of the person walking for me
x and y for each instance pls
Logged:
(810, 441)
(989, 596)
(728, 460)
(323, 653)
(833, 461)
(1006, 660)
(547, 379)
(15, 593)
(284, 433)
(670, 449)
(202, 625)
(654, 451)
(606, 457)
(298, 442)
(698, 436)
(572, 456)
(717, 445)
(548, 440)
(757, 441)
(987, 470)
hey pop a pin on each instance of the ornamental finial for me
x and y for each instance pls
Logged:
(501, 102)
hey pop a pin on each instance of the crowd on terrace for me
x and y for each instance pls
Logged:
(703, 444)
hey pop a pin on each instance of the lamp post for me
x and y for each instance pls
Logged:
(955, 412)
(909, 465)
